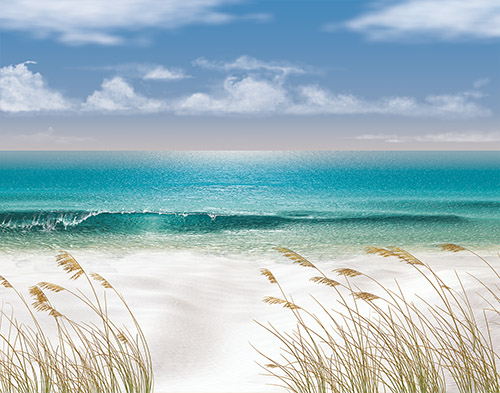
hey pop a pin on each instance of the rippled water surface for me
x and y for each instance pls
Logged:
(322, 203)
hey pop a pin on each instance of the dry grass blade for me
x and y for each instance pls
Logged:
(325, 281)
(69, 265)
(397, 345)
(71, 356)
(101, 280)
(270, 276)
(452, 247)
(294, 257)
(347, 272)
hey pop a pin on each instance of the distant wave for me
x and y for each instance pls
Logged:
(138, 221)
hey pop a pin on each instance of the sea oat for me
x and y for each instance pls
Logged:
(452, 247)
(379, 251)
(348, 272)
(50, 286)
(5, 283)
(121, 336)
(324, 280)
(69, 265)
(273, 300)
(291, 306)
(101, 280)
(365, 296)
(294, 257)
(41, 302)
(270, 276)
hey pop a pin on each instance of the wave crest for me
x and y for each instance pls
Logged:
(133, 221)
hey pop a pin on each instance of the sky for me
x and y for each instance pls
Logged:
(256, 75)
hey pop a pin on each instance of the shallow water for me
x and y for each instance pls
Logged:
(321, 203)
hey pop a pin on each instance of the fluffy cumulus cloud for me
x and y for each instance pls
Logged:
(443, 19)
(102, 21)
(238, 96)
(262, 89)
(22, 90)
(116, 95)
(458, 137)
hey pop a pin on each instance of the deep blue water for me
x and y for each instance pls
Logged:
(321, 202)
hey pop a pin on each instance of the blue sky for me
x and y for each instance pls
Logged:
(235, 74)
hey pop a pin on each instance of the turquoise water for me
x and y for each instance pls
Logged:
(322, 203)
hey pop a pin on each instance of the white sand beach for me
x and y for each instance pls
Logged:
(198, 312)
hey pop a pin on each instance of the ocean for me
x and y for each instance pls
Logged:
(184, 237)
(321, 203)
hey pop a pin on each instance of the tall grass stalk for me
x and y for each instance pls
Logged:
(365, 342)
(70, 356)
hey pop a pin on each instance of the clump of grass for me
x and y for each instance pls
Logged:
(383, 342)
(72, 356)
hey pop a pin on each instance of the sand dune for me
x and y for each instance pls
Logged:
(198, 311)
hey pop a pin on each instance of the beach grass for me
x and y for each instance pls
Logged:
(385, 341)
(52, 352)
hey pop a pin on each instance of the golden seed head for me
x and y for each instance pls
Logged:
(291, 306)
(325, 281)
(50, 286)
(273, 300)
(5, 283)
(395, 252)
(37, 294)
(405, 256)
(294, 257)
(379, 251)
(346, 272)
(54, 313)
(122, 338)
(367, 296)
(101, 280)
(69, 265)
(452, 247)
(271, 365)
(270, 276)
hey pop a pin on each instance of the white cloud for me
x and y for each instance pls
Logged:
(100, 22)
(457, 137)
(21, 90)
(50, 136)
(314, 100)
(263, 89)
(248, 95)
(117, 95)
(248, 63)
(481, 82)
(442, 19)
(164, 74)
